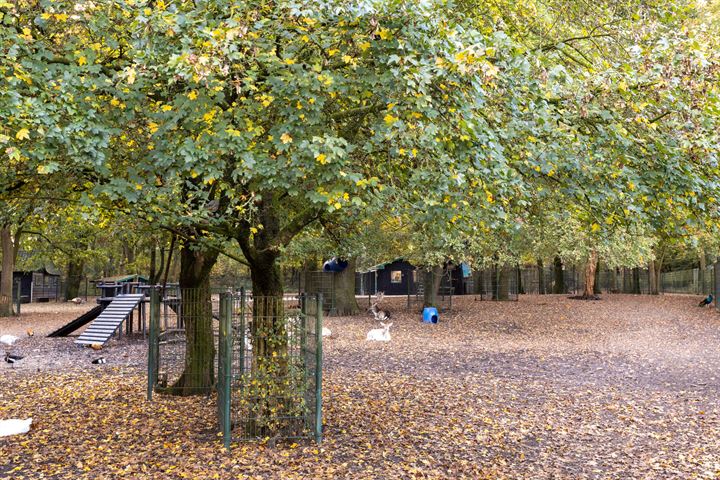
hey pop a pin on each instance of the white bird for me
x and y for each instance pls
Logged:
(8, 339)
(326, 332)
(14, 427)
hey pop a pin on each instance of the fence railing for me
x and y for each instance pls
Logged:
(268, 367)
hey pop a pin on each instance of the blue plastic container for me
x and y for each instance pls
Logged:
(430, 315)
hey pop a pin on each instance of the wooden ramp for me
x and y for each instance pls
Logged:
(86, 317)
(110, 319)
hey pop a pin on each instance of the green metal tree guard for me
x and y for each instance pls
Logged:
(318, 369)
(225, 366)
(153, 342)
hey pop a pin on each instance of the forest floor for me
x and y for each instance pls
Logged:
(546, 387)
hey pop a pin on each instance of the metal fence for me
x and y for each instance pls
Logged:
(271, 368)
(183, 337)
(693, 281)
(268, 368)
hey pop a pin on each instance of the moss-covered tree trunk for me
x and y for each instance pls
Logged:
(654, 276)
(590, 268)
(198, 376)
(520, 286)
(431, 283)
(73, 278)
(8, 266)
(597, 289)
(503, 282)
(541, 276)
(701, 274)
(345, 301)
(636, 280)
(559, 278)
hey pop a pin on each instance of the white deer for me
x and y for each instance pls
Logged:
(380, 334)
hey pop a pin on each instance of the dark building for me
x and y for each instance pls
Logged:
(398, 277)
(38, 285)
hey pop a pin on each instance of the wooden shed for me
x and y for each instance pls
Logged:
(398, 277)
(41, 285)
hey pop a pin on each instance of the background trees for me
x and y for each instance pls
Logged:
(468, 132)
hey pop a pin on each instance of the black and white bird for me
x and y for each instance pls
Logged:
(706, 301)
(13, 359)
(99, 361)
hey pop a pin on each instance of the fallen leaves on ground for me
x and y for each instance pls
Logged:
(542, 388)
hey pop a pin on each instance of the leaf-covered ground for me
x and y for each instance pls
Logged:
(547, 387)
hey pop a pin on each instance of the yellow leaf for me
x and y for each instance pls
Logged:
(192, 95)
(23, 134)
(364, 46)
(595, 227)
(166, 108)
(285, 138)
(390, 119)
(82, 61)
(385, 34)
(289, 61)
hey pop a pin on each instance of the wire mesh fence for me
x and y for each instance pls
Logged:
(183, 337)
(271, 369)
(692, 281)
(268, 367)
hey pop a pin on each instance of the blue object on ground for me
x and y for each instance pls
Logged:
(430, 315)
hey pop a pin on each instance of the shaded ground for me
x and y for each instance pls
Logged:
(546, 387)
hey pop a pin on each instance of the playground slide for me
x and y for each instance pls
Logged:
(83, 319)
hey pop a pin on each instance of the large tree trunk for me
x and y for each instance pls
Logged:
(653, 278)
(559, 283)
(74, 278)
(503, 285)
(520, 288)
(701, 274)
(597, 289)
(636, 281)
(541, 276)
(345, 301)
(590, 268)
(8, 266)
(198, 377)
(431, 284)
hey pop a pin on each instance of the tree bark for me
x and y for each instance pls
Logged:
(198, 376)
(431, 283)
(520, 289)
(559, 283)
(8, 266)
(636, 280)
(597, 289)
(74, 278)
(541, 277)
(345, 301)
(653, 278)
(701, 273)
(503, 287)
(153, 264)
(590, 268)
